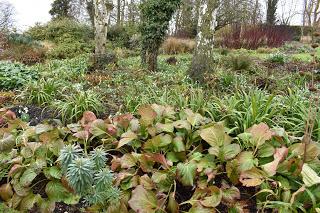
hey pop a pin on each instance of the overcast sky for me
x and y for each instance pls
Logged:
(28, 12)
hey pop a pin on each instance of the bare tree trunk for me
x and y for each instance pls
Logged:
(118, 12)
(102, 11)
(205, 39)
(206, 26)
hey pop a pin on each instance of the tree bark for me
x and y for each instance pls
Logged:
(205, 39)
(206, 27)
(102, 10)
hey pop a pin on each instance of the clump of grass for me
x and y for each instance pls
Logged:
(240, 62)
(174, 46)
(278, 58)
(72, 106)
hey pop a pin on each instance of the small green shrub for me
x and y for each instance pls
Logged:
(59, 29)
(16, 38)
(71, 38)
(15, 75)
(240, 62)
(278, 58)
(72, 106)
(124, 36)
(70, 49)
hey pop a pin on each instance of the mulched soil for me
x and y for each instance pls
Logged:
(36, 114)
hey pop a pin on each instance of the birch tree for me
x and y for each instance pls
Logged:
(205, 38)
(102, 11)
(7, 13)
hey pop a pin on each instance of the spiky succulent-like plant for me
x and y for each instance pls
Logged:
(88, 175)
(103, 190)
(98, 156)
(68, 154)
(80, 175)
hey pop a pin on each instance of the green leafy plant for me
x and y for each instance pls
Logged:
(279, 58)
(15, 75)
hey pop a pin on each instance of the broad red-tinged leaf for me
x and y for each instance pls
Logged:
(148, 115)
(260, 134)
(146, 182)
(313, 150)
(27, 177)
(198, 208)
(29, 201)
(14, 169)
(215, 135)
(252, 177)
(123, 120)
(87, 118)
(115, 163)
(225, 152)
(10, 115)
(126, 138)
(7, 142)
(309, 176)
(143, 201)
(279, 155)
(230, 194)
(159, 158)
(167, 128)
(83, 135)
(214, 199)
(6, 192)
(232, 169)
(173, 206)
(163, 111)
(98, 128)
(187, 173)
(127, 161)
(246, 161)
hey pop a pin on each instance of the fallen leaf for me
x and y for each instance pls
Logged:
(143, 201)
(252, 177)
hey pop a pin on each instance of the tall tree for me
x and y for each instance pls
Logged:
(60, 9)
(102, 11)
(272, 6)
(205, 39)
(7, 12)
(156, 15)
